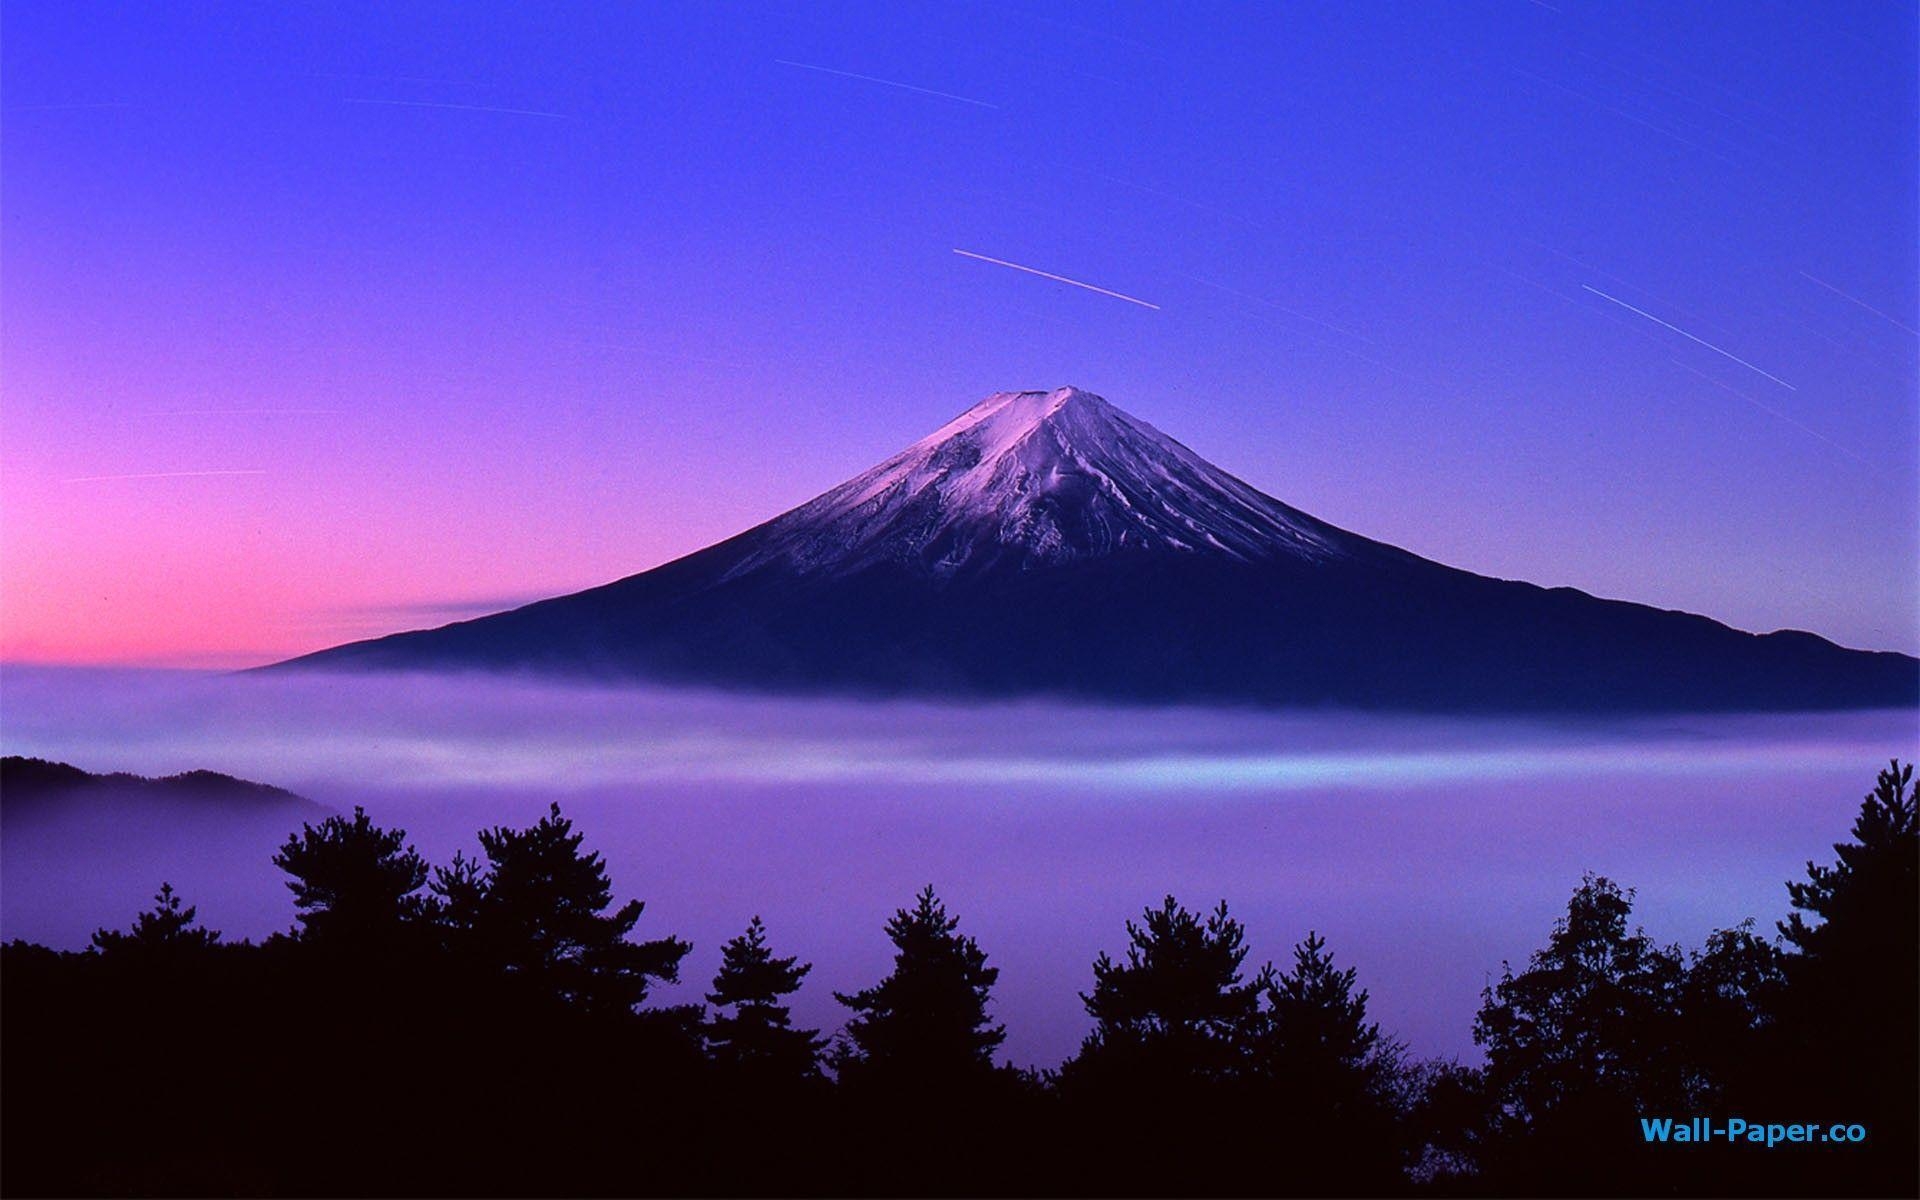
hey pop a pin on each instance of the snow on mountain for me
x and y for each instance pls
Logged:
(1028, 479)
(1046, 543)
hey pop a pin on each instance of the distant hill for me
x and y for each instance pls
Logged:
(37, 784)
(1049, 543)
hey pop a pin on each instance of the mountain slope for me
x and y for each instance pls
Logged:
(36, 783)
(1034, 479)
(1048, 543)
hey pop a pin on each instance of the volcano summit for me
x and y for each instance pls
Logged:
(1047, 543)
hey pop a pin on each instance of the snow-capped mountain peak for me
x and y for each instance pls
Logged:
(1049, 544)
(1024, 479)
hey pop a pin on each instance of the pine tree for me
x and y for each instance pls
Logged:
(539, 911)
(1853, 977)
(1868, 902)
(1316, 1039)
(354, 883)
(165, 931)
(458, 891)
(757, 1038)
(925, 1025)
(1333, 1083)
(1178, 1010)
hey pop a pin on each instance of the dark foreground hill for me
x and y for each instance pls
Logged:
(1047, 543)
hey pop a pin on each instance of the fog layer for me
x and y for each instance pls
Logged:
(1427, 851)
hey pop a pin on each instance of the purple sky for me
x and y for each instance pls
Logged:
(470, 307)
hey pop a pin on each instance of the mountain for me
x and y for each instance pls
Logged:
(1047, 543)
(35, 784)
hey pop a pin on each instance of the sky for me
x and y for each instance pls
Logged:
(322, 321)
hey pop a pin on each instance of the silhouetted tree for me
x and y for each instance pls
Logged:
(757, 1038)
(515, 998)
(1316, 1029)
(1177, 1012)
(354, 883)
(1328, 1080)
(1848, 1020)
(1585, 1038)
(457, 892)
(164, 931)
(1729, 1003)
(1446, 1126)
(925, 1025)
(1316, 1040)
(539, 911)
(1866, 906)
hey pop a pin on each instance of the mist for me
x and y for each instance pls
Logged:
(1427, 851)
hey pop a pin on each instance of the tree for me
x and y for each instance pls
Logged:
(1587, 1027)
(1329, 1082)
(1729, 1003)
(1177, 1012)
(757, 1038)
(1316, 1039)
(162, 933)
(539, 912)
(925, 1025)
(1867, 904)
(1586, 1038)
(1445, 1125)
(458, 890)
(1853, 976)
(354, 883)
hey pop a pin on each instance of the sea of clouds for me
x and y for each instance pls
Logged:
(1427, 850)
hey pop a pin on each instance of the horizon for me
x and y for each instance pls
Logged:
(487, 607)
(473, 608)
(330, 327)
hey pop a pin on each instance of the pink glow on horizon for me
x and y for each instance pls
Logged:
(230, 572)
(347, 530)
